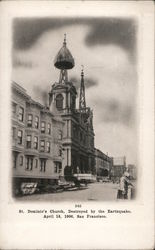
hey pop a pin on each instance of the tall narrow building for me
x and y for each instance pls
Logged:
(78, 133)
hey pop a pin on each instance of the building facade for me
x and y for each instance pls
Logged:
(78, 133)
(119, 167)
(103, 164)
(50, 142)
(36, 140)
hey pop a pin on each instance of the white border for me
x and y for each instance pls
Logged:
(133, 231)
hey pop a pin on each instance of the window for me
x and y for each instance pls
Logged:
(20, 135)
(60, 151)
(59, 101)
(36, 122)
(35, 142)
(60, 135)
(55, 168)
(36, 163)
(28, 142)
(75, 131)
(67, 128)
(21, 114)
(21, 160)
(42, 146)
(49, 128)
(42, 127)
(29, 122)
(14, 108)
(29, 163)
(73, 102)
(42, 165)
(48, 147)
(58, 167)
(13, 132)
(14, 160)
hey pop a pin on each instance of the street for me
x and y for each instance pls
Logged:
(94, 192)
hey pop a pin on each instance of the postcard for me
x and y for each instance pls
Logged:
(77, 125)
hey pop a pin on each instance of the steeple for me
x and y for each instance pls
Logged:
(64, 61)
(62, 96)
(82, 101)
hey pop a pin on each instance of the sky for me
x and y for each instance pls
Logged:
(107, 49)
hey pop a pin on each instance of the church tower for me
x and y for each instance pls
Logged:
(62, 102)
(62, 96)
(78, 135)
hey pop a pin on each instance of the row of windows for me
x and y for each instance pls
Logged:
(29, 138)
(35, 143)
(30, 163)
(30, 120)
(36, 124)
(36, 121)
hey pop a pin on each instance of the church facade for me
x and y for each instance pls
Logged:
(78, 132)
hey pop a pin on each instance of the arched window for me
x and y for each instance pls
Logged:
(59, 101)
(73, 102)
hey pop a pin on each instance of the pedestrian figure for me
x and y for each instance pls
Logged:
(124, 186)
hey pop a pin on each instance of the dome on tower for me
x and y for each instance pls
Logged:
(64, 59)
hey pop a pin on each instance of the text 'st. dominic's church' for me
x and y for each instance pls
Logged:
(78, 133)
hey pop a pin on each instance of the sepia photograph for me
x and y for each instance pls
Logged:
(74, 107)
(77, 125)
